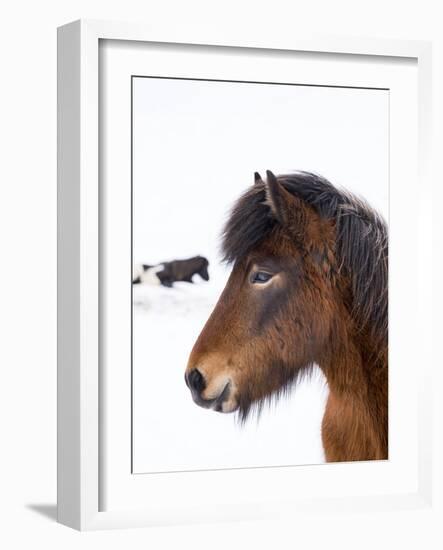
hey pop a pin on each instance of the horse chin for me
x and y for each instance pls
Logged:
(220, 399)
(227, 402)
(228, 406)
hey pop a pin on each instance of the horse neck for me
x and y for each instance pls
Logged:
(356, 418)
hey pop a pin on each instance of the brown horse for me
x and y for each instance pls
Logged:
(308, 286)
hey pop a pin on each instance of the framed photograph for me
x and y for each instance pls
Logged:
(241, 281)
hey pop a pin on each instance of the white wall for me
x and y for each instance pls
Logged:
(28, 279)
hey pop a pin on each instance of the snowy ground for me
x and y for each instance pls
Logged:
(172, 433)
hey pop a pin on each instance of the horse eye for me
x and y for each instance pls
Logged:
(261, 277)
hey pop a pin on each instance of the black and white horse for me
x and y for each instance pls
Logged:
(168, 273)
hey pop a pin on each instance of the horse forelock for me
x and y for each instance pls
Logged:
(361, 248)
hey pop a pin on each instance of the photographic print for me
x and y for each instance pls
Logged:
(259, 274)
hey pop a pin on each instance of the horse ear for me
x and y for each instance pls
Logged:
(290, 211)
(278, 199)
(257, 178)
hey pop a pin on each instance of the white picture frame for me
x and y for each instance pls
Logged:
(80, 411)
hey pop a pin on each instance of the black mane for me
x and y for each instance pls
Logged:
(361, 242)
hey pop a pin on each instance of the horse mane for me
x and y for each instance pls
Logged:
(361, 242)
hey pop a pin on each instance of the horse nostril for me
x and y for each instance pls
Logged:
(195, 381)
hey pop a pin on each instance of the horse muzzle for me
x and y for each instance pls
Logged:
(217, 396)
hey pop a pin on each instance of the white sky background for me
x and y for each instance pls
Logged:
(196, 147)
